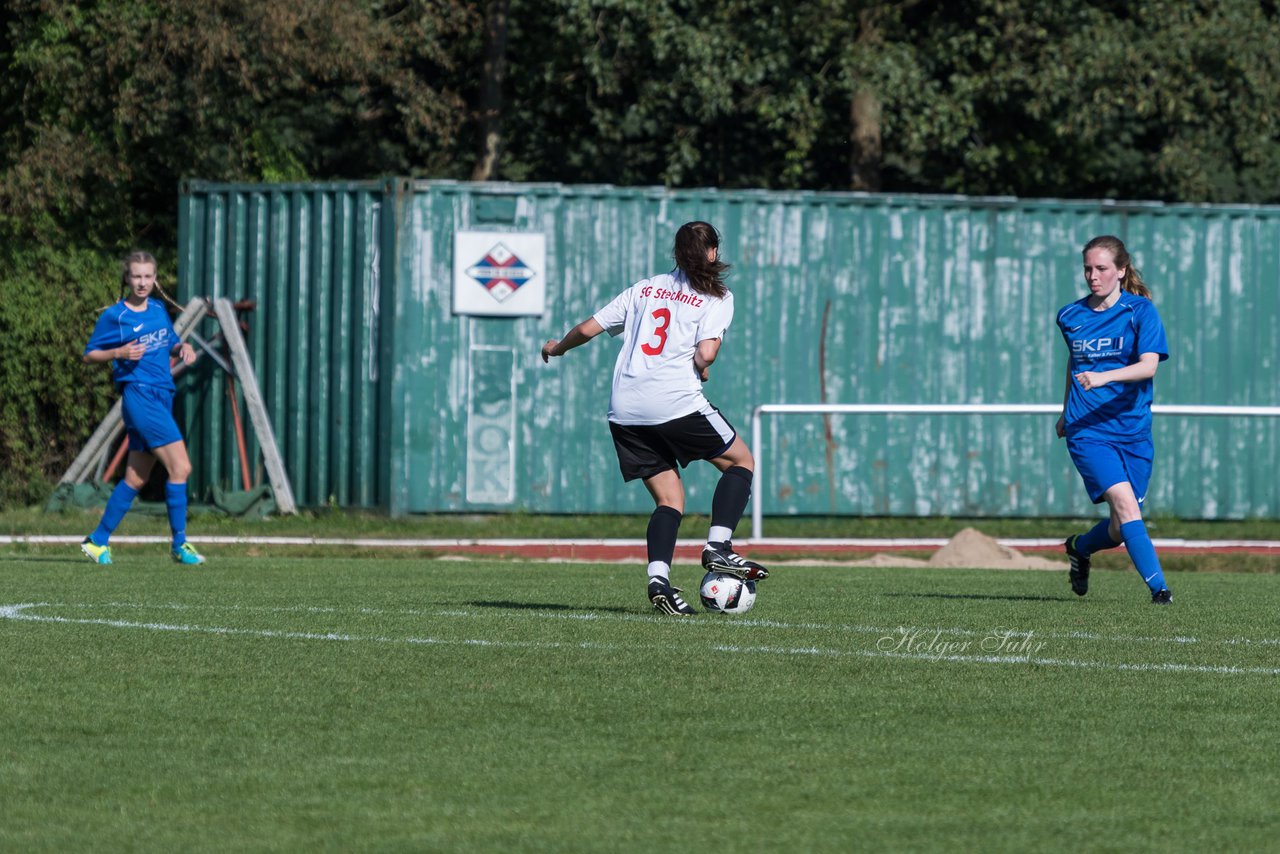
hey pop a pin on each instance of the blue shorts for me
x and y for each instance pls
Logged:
(148, 416)
(1104, 464)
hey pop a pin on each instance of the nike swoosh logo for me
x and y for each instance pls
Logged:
(1151, 576)
(136, 328)
(1073, 328)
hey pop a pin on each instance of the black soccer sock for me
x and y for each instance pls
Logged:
(730, 499)
(664, 525)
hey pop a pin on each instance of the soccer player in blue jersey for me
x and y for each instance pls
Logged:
(1115, 342)
(136, 336)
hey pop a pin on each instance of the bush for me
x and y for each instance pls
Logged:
(52, 401)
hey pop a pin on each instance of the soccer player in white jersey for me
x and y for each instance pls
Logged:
(672, 325)
(1115, 342)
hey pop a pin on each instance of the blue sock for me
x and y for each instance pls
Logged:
(1143, 554)
(117, 505)
(1097, 539)
(175, 499)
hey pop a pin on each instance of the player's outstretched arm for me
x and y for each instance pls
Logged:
(575, 337)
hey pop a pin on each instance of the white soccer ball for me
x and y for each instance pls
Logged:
(725, 594)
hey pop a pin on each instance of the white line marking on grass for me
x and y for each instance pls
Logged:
(20, 612)
(715, 620)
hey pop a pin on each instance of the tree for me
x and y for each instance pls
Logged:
(110, 104)
(725, 94)
(1154, 99)
(490, 112)
(822, 94)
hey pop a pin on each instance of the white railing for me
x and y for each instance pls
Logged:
(757, 436)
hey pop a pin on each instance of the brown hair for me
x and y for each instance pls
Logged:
(137, 256)
(1132, 281)
(693, 241)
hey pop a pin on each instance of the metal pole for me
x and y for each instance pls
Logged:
(757, 515)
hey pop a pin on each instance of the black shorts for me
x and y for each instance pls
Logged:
(649, 449)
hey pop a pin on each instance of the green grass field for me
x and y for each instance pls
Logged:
(281, 704)
(149, 518)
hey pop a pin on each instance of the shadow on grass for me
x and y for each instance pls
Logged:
(67, 560)
(981, 596)
(545, 606)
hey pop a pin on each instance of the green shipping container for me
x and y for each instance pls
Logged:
(382, 396)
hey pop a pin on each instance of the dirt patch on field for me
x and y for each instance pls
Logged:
(968, 549)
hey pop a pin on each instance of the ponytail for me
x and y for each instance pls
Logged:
(694, 241)
(1133, 283)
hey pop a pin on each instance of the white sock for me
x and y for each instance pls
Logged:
(658, 569)
(719, 534)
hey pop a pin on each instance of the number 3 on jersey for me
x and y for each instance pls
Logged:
(663, 316)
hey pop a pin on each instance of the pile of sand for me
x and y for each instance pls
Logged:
(969, 549)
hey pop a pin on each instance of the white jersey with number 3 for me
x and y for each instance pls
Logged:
(663, 320)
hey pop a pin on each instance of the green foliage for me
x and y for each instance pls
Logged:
(106, 106)
(1158, 100)
(276, 160)
(52, 400)
(1083, 98)
(735, 95)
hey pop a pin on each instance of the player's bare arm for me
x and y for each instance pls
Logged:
(185, 352)
(575, 337)
(704, 355)
(1143, 369)
(1060, 428)
(131, 352)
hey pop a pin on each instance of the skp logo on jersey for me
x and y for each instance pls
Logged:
(501, 272)
(158, 340)
(1092, 348)
(498, 273)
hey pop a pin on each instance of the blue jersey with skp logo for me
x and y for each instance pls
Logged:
(1104, 341)
(120, 325)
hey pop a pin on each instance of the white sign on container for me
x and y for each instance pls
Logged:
(499, 273)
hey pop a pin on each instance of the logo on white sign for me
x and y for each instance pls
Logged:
(501, 272)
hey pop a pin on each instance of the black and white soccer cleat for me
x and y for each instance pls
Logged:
(1080, 563)
(666, 599)
(725, 559)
